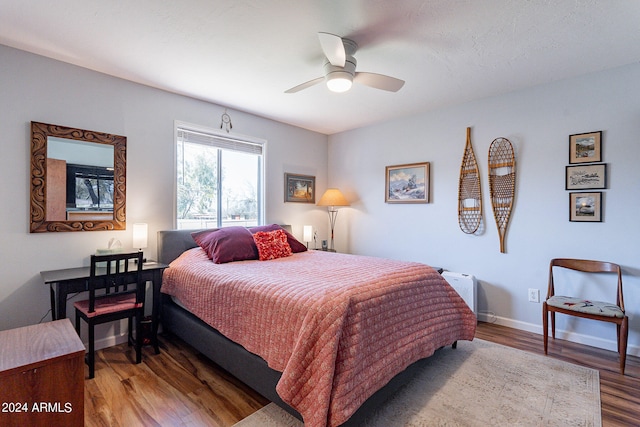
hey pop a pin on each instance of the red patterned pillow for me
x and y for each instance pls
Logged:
(272, 244)
(296, 246)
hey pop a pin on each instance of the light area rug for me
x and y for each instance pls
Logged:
(480, 384)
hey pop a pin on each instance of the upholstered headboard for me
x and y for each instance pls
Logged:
(171, 243)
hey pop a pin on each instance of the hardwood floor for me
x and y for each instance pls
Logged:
(179, 387)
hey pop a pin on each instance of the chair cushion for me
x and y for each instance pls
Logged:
(586, 306)
(108, 304)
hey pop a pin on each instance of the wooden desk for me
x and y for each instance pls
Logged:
(72, 280)
(42, 376)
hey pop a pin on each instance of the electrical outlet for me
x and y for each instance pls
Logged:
(534, 295)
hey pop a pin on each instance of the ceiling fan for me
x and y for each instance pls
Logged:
(340, 68)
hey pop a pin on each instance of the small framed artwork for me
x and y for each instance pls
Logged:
(585, 147)
(585, 207)
(586, 177)
(407, 183)
(299, 188)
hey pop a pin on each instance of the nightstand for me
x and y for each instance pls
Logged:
(42, 376)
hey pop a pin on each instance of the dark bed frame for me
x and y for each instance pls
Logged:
(245, 366)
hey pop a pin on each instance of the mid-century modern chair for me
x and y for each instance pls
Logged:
(583, 307)
(123, 298)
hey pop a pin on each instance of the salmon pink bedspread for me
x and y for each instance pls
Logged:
(337, 326)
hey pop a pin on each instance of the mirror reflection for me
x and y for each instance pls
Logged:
(78, 179)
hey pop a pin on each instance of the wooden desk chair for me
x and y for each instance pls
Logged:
(123, 298)
(588, 309)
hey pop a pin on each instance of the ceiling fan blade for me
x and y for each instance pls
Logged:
(379, 81)
(304, 85)
(333, 48)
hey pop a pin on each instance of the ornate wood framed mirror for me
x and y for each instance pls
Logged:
(78, 179)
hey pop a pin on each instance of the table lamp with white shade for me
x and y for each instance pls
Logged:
(307, 234)
(140, 233)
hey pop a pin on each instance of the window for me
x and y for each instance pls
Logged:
(219, 178)
(89, 187)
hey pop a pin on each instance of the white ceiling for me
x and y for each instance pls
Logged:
(243, 54)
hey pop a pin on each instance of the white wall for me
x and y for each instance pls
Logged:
(538, 122)
(34, 88)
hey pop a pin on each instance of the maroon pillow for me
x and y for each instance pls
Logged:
(272, 244)
(296, 246)
(227, 244)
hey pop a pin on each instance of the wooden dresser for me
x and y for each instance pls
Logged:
(42, 376)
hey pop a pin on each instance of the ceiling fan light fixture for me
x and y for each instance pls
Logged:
(340, 68)
(339, 81)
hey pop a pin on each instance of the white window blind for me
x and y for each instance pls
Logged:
(218, 141)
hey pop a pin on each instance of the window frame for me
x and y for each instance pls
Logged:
(216, 133)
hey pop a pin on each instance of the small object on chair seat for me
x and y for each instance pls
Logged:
(586, 306)
(109, 304)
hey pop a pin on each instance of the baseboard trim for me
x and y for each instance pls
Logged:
(560, 334)
(109, 341)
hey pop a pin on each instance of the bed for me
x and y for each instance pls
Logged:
(326, 336)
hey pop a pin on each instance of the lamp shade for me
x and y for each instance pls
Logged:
(308, 233)
(139, 235)
(333, 197)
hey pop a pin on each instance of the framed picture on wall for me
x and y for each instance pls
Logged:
(585, 207)
(407, 183)
(585, 147)
(299, 188)
(586, 177)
